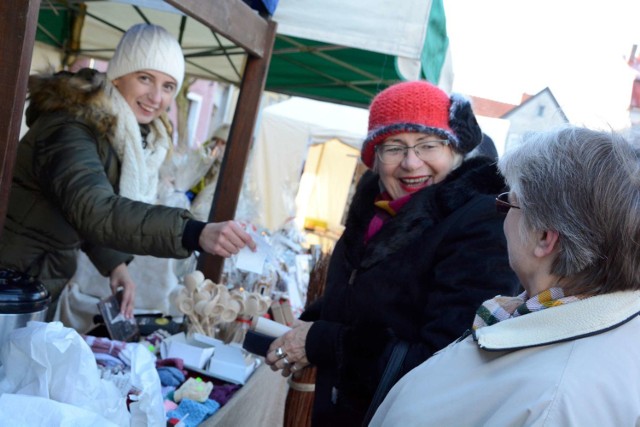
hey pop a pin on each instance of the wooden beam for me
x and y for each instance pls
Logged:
(17, 36)
(232, 19)
(236, 152)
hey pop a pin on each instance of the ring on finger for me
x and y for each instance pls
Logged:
(280, 353)
(286, 362)
(293, 368)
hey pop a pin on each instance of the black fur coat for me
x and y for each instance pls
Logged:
(419, 279)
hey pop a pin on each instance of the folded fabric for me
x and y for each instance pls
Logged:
(194, 389)
(172, 361)
(222, 393)
(170, 376)
(167, 393)
(109, 361)
(152, 341)
(101, 345)
(169, 405)
(195, 412)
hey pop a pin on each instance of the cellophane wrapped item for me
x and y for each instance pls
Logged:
(182, 170)
(206, 188)
(285, 274)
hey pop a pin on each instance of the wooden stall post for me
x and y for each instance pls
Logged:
(236, 153)
(17, 36)
(240, 24)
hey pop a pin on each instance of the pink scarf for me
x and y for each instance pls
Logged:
(386, 208)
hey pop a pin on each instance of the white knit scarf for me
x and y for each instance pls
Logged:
(139, 166)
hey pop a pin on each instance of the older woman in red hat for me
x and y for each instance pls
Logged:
(422, 248)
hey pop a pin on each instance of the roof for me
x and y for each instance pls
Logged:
(490, 108)
(530, 99)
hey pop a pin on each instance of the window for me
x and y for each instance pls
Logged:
(193, 117)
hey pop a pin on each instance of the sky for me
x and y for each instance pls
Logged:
(503, 48)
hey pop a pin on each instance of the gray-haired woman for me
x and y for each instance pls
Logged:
(565, 351)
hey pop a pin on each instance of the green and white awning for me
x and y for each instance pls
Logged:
(332, 50)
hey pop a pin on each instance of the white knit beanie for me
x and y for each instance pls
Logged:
(147, 47)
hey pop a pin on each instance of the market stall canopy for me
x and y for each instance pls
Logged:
(343, 52)
(291, 129)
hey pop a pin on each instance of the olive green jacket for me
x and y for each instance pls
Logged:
(64, 197)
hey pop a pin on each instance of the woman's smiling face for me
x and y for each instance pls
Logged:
(148, 93)
(411, 173)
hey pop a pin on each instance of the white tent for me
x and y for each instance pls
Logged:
(356, 23)
(325, 136)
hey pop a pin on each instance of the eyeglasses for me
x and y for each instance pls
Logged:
(426, 151)
(503, 205)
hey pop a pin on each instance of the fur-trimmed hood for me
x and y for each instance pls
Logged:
(427, 208)
(80, 95)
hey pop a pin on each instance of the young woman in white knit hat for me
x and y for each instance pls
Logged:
(422, 248)
(86, 175)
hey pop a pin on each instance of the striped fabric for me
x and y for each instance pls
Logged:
(501, 308)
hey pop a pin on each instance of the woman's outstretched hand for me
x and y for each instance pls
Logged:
(225, 238)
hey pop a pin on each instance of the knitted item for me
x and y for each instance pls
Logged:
(223, 393)
(170, 376)
(502, 308)
(193, 413)
(147, 47)
(172, 361)
(194, 389)
(419, 106)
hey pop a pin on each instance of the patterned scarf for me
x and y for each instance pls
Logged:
(501, 308)
(386, 208)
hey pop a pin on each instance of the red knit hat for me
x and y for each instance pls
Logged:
(419, 106)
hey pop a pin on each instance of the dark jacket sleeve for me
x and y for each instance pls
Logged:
(105, 259)
(70, 171)
(324, 337)
(313, 311)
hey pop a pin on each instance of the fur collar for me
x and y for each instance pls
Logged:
(79, 95)
(427, 208)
